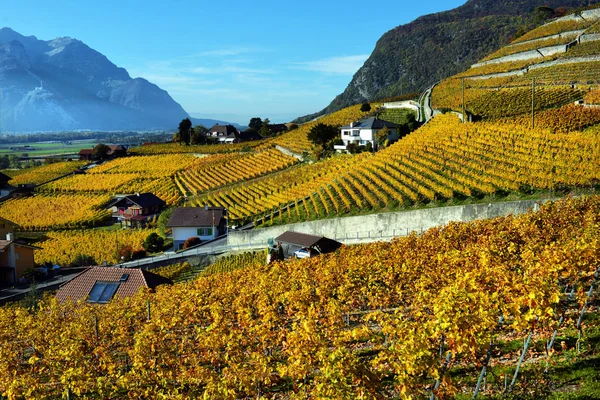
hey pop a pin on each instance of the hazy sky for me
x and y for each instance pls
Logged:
(228, 59)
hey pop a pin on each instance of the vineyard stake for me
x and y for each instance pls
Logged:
(148, 310)
(561, 320)
(525, 346)
(438, 381)
(96, 325)
(488, 357)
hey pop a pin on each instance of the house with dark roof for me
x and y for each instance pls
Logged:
(206, 223)
(314, 245)
(102, 284)
(224, 133)
(362, 132)
(136, 210)
(116, 150)
(5, 188)
(16, 256)
(249, 135)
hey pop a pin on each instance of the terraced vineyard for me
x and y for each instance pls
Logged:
(213, 172)
(176, 148)
(566, 119)
(514, 102)
(443, 160)
(43, 173)
(555, 28)
(45, 212)
(248, 200)
(398, 115)
(64, 247)
(528, 46)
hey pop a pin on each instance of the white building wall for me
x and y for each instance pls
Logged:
(181, 234)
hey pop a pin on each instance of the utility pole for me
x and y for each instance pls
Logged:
(533, 103)
(463, 101)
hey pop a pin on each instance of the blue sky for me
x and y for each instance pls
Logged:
(228, 59)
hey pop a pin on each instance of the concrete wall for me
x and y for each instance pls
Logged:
(289, 153)
(526, 55)
(589, 37)
(409, 104)
(385, 224)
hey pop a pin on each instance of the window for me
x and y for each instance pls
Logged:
(102, 292)
(204, 232)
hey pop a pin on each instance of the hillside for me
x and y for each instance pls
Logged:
(370, 321)
(560, 57)
(63, 84)
(411, 57)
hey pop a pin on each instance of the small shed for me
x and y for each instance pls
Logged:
(292, 241)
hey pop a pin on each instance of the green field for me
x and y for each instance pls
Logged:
(46, 148)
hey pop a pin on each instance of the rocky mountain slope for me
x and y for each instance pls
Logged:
(63, 84)
(411, 57)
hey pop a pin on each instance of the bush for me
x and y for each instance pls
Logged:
(125, 253)
(193, 241)
(138, 254)
(83, 260)
(153, 243)
(366, 107)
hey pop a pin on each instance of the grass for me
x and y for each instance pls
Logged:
(45, 148)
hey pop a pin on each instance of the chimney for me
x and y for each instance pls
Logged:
(351, 124)
(10, 236)
(205, 207)
(137, 194)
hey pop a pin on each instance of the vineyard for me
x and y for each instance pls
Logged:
(45, 212)
(538, 44)
(418, 316)
(44, 173)
(216, 171)
(513, 102)
(249, 199)
(176, 148)
(63, 247)
(442, 160)
(399, 116)
(569, 118)
(555, 28)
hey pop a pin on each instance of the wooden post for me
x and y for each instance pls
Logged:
(148, 310)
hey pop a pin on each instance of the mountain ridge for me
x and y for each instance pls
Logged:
(63, 84)
(413, 56)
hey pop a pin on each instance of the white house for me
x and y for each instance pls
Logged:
(206, 223)
(363, 132)
(225, 133)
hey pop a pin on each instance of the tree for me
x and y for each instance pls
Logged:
(83, 260)
(382, 135)
(321, 134)
(292, 127)
(366, 107)
(124, 254)
(153, 243)
(199, 135)
(163, 218)
(264, 129)
(185, 127)
(100, 152)
(255, 124)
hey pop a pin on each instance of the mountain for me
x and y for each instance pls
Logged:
(209, 123)
(63, 84)
(411, 57)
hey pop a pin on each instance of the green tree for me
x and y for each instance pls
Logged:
(153, 243)
(163, 218)
(366, 107)
(83, 260)
(293, 127)
(100, 152)
(321, 134)
(199, 135)
(184, 130)
(255, 124)
(264, 129)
